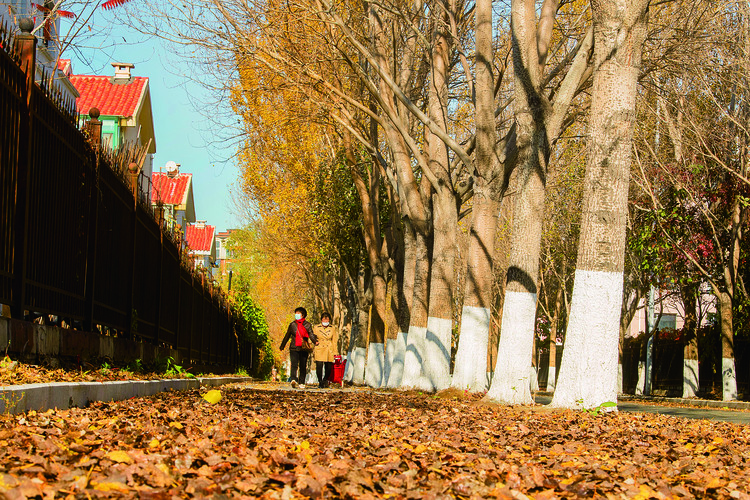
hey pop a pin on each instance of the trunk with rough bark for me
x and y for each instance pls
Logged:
(588, 375)
(690, 375)
(437, 355)
(415, 341)
(511, 380)
(396, 350)
(728, 373)
(470, 367)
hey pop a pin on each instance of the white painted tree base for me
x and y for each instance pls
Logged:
(470, 368)
(551, 379)
(413, 359)
(375, 365)
(437, 363)
(690, 378)
(640, 386)
(729, 379)
(349, 367)
(394, 360)
(358, 365)
(588, 371)
(619, 378)
(533, 379)
(511, 381)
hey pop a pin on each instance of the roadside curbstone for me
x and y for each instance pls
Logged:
(15, 399)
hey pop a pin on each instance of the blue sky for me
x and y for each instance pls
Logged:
(183, 133)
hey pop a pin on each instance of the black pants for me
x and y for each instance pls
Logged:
(299, 360)
(319, 372)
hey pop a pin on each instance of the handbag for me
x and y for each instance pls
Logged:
(307, 345)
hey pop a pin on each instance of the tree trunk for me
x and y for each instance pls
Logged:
(436, 365)
(510, 382)
(470, 367)
(728, 374)
(554, 323)
(690, 367)
(415, 340)
(397, 350)
(588, 375)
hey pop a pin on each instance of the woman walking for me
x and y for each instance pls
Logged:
(301, 338)
(327, 340)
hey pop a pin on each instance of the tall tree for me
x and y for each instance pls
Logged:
(588, 375)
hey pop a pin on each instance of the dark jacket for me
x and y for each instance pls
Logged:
(291, 335)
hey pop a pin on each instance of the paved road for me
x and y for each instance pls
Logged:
(736, 417)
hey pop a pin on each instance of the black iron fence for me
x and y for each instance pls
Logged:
(79, 239)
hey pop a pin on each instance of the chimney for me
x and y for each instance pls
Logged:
(173, 169)
(122, 71)
(200, 224)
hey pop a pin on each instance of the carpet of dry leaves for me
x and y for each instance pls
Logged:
(259, 440)
(16, 373)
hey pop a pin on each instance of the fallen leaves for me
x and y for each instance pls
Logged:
(213, 396)
(284, 444)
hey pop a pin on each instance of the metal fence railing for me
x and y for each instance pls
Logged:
(78, 237)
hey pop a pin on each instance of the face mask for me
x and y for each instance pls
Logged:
(325, 323)
(297, 316)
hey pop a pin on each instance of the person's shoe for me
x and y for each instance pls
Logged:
(294, 384)
(302, 386)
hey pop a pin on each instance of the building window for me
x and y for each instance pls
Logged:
(667, 321)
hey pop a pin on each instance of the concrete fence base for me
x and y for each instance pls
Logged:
(63, 395)
(51, 345)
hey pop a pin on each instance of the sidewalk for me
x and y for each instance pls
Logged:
(696, 402)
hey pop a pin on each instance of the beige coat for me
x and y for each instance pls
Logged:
(328, 341)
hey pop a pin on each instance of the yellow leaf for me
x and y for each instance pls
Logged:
(119, 457)
(304, 445)
(176, 425)
(154, 443)
(213, 396)
(714, 483)
(109, 486)
(420, 448)
(644, 493)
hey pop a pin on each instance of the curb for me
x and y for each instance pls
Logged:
(15, 399)
(700, 403)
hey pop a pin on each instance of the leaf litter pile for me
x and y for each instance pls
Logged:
(249, 442)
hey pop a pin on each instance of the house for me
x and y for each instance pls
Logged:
(202, 244)
(46, 29)
(224, 258)
(124, 104)
(173, 191)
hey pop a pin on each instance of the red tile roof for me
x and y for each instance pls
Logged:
(65, 66)
(111, 99)
(200, 237)
(170, 190)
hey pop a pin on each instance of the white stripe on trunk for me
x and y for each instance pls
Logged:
(349, 368)
(588, 372)
(690, 378)
(619, 378)
(551, 379)
(374, 368)
(729, 379)
(470, 370)
(437, 363)
(533, 379)
(413, 359)
(359, 356)
(394, 360)
(511, 381)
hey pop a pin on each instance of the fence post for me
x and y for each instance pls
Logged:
(94, 129)
(25, 46)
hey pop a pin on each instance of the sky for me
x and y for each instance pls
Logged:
(182, 131)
